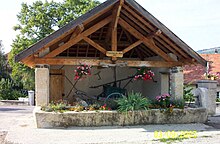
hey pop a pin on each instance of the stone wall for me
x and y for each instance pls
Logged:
(113, 118)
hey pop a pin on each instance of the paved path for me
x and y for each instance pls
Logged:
(18, 123)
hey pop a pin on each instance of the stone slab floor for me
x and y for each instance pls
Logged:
(17, 126)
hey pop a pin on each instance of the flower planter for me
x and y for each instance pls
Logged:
(114, 118)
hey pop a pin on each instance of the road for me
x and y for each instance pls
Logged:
(17, 126)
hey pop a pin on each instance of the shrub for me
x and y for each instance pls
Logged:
(134, 101)
(8, 90)
(187, 93)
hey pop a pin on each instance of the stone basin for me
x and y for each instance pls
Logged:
(114, 118)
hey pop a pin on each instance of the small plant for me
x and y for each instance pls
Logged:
(187, 93)
(93, 107)
(81, 71)
(134, 101)
(217, 99)
(144, 74)
(180, 104)
(55, 107)
(104, 107)
(163, 100)
(79, 108)
(211, 76)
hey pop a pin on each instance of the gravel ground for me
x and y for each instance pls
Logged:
(18, 124)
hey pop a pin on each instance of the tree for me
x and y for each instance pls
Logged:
(3, 63)
(38, 20)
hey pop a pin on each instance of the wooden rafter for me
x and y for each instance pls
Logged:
(77, 31)
(153, 28)
(96, 62)
(79, 37)
(95, 45)
(141, 25)
(132, 46)
(116, 15)
(148, 42)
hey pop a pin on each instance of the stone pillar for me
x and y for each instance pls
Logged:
(209, 99)
(42, 85)
(176, 82)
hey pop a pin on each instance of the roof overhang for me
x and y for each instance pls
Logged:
(116, 30)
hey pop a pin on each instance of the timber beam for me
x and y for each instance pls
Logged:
(79, 37)
(77, 31)
(96, 62)
(148, 42)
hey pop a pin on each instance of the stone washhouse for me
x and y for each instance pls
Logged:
(115, 38)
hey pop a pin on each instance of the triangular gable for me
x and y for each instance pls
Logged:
(128, 22)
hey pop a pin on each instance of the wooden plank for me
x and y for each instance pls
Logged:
(95, 45)
(56, 85)
(146, 41)
(79, 37)
(114, 54)
(132, 46)
(96, 62)
(77, 31)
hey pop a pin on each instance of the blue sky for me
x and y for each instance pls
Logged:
(196, 22)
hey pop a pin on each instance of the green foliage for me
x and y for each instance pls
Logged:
(134, 101)
(55, 107)
(178, 103)
(3, 63)
(217, 99)
(37, 21)
(8, 90)
(187, 93)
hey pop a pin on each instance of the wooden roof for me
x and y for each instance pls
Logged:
(115, 31)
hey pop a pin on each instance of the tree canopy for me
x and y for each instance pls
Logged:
(38, 20)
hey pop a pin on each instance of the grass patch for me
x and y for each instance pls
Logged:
(171, 140)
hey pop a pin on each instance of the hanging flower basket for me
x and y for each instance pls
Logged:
(144, 74)
(82, 70)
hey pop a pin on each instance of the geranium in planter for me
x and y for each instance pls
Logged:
(81, 71)
(144, 74)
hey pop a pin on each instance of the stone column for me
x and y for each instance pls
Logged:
(208, 99)
(42, 85)
(176, 82)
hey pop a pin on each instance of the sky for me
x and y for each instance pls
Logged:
(196, 22)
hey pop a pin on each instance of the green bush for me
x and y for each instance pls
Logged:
(8, 91)
(187, 93)
(218, 100)
(134, 101)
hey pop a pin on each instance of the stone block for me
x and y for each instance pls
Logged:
(42, 86)
(114, 118)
